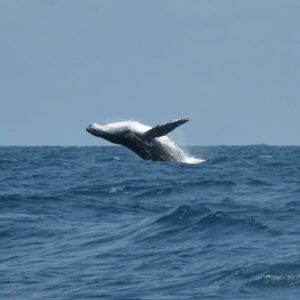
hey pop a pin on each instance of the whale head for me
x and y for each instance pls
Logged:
(113, 134)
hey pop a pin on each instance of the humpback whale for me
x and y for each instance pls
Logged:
(148, 143)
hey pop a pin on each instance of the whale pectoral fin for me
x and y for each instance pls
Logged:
(163, 129)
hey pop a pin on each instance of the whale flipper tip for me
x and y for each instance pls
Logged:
(164, 129)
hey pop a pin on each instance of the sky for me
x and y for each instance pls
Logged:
(232, 67)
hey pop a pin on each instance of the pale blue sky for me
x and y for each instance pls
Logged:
(233, 67)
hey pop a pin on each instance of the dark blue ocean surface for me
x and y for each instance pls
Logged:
(100, 223)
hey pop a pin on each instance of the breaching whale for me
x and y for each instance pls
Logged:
(149, 143)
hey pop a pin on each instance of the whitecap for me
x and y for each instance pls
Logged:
(117, 189)
(192, 160)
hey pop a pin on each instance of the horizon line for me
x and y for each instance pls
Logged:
(216, 145)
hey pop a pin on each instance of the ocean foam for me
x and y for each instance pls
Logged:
(192, 160)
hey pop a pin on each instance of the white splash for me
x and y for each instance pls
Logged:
(180, 154)
(193, 160)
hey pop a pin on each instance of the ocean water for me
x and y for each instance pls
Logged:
(100, 223)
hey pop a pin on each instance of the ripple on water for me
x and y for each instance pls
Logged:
(94, 222)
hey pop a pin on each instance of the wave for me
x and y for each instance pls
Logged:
(181, 214)
(270, 280)
(175, 187)
(201, 219)
(258, 182)
(6, 160)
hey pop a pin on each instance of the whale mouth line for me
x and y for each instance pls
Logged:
(88, 129)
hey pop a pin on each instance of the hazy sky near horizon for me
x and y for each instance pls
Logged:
(232, 67)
